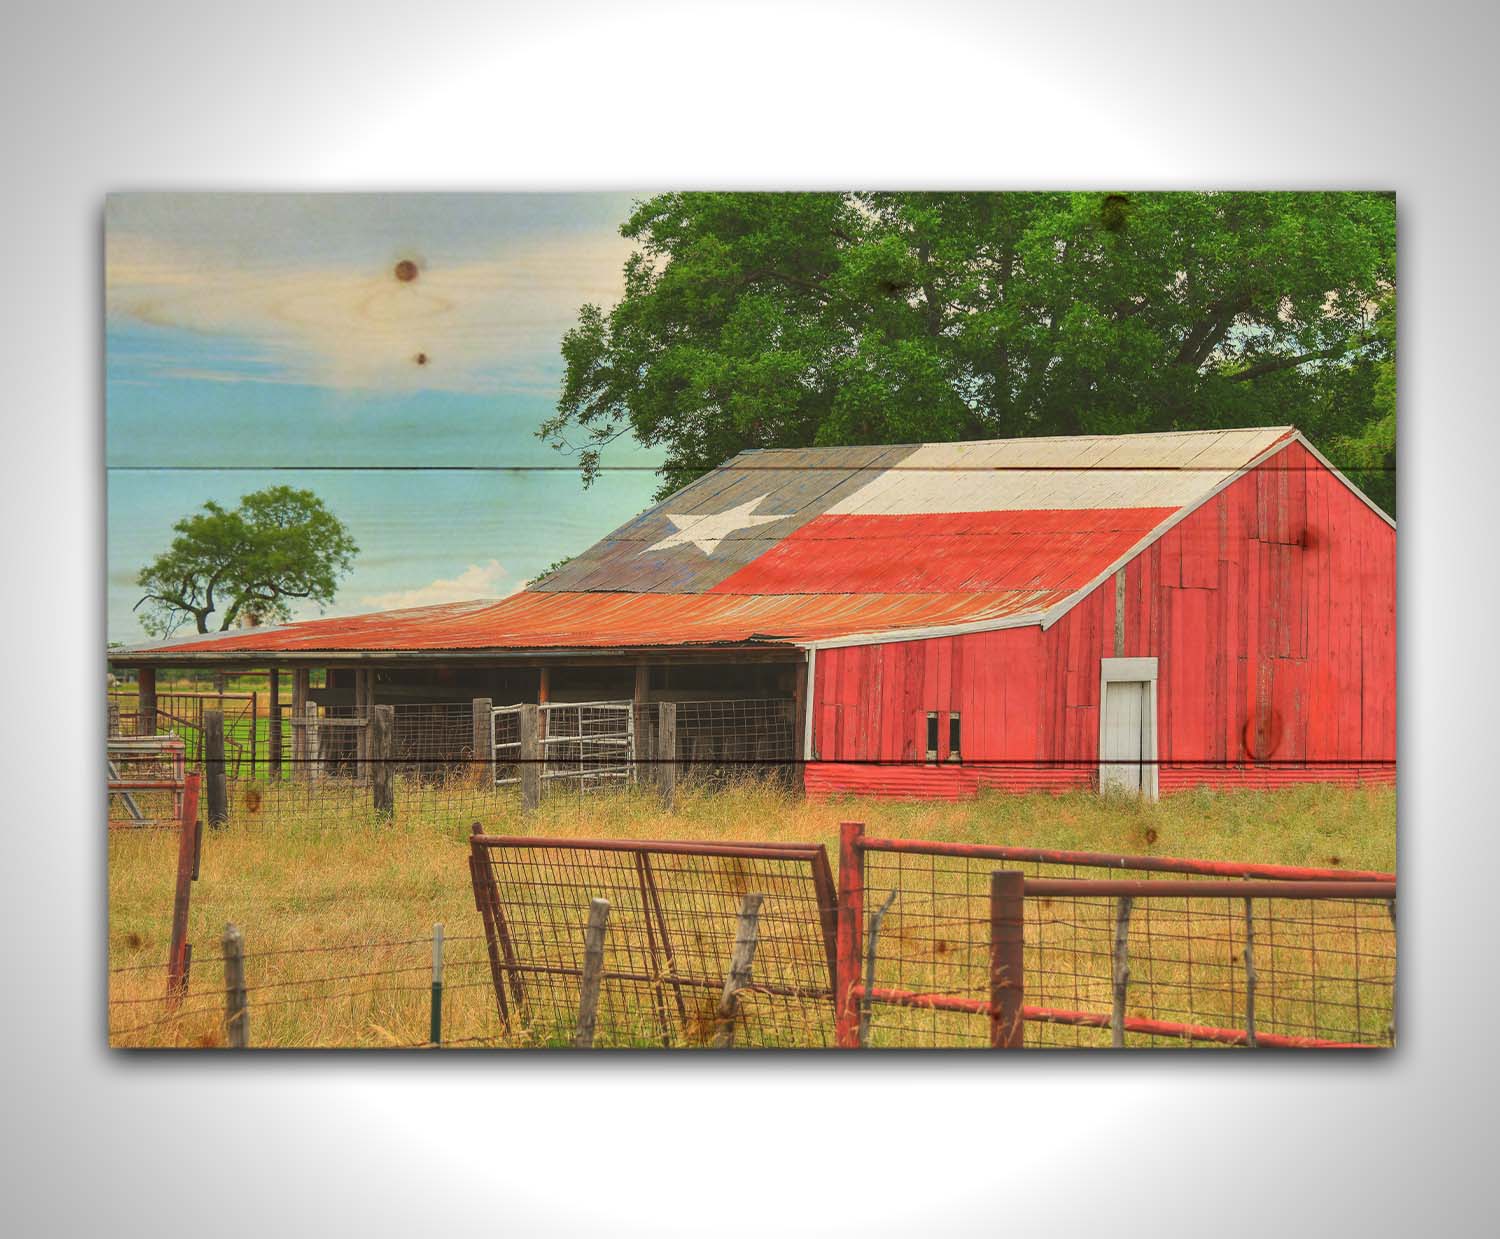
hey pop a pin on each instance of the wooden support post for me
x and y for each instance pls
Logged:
(273, 722)
(799, 729)
(483, 745)
(1121, 957)
(299, 734)
(593, 973)
(740, 960)
(666, 752)
(1007, 960)
(180, 951)
(145, 701)
(381, 758)
(1250, 973)
(638, 726)
(530, 759)
(864, 1003)
(361, 711)
(851, 913)
(236, 1009)
(213, 767)
(310, 739)
(435, 1024)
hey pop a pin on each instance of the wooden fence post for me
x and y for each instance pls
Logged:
(531, 759)
(1007, 960)
(180, 952)
(435, 1026)
(236, 1009)
(593, 973)
(850, 935)
(666, 752)
(484, 741)
(740, 960)
(864, 1003)
(382, 758)
(1121, 958)
(213, 767)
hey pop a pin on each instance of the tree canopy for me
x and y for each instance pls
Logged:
(784, 320)
(279, 545)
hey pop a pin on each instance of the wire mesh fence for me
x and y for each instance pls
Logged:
(368, 993)
(1129, 951)
(674, 908)
(721, 740)
(1316, 970)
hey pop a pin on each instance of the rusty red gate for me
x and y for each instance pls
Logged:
(674, 907)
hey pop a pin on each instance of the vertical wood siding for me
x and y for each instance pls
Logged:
(1271, 611)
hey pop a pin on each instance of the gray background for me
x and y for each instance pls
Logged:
(486, 96)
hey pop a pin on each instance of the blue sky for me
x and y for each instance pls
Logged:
(248, 333)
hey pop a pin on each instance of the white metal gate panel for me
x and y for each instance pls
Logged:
(588, 744)
(585, 745)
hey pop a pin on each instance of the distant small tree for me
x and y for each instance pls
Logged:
(278, 546)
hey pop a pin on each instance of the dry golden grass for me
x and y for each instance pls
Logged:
(311, 884)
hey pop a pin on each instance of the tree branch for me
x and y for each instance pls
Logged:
(1287, 363)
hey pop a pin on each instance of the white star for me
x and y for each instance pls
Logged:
(706, 532)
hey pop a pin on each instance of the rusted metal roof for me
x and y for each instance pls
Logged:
(799, 546)
(535, 620)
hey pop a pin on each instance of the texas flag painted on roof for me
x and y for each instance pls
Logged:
(1031, 516)
(796, 546)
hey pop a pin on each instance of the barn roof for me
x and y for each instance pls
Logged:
(822, 545)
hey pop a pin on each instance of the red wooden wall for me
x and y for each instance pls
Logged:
(1271, 610)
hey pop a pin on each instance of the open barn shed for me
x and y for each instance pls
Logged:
(1140, 612)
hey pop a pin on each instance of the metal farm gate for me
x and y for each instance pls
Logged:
(583, 746)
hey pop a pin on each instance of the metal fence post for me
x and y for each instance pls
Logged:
(666, 752)
(1007, 960)
(593, 973)
(531, 759)
(236, 1009)
(1250, 977)
(382, 751)
(213, 767)
(435, 1029)
(740, 960)
(850, 935)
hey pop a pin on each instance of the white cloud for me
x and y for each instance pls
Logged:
(354, 324)
(487, 580)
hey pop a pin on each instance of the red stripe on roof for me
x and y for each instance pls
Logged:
(942, 552)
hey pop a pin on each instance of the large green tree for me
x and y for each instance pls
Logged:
(280, 545)
(770, 320)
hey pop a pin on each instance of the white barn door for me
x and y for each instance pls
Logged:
(1127, 726)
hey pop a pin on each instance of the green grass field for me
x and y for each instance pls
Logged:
(315, 886)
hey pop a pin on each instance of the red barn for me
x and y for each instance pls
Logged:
(1148, 612)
